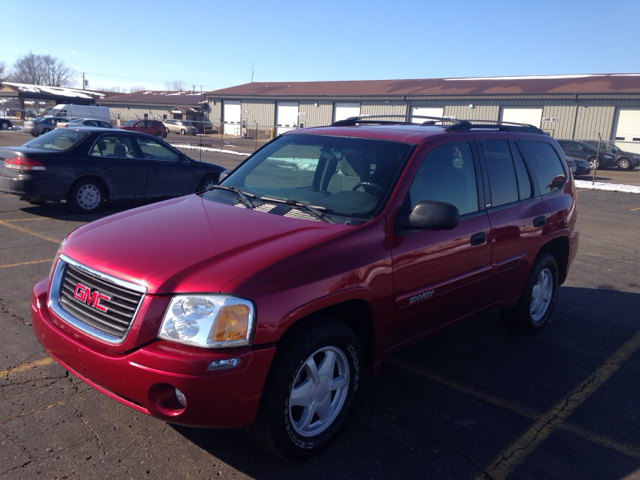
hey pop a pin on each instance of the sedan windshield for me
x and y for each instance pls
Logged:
(57, 140)
(347, 179)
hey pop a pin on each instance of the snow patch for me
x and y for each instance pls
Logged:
(609, 187)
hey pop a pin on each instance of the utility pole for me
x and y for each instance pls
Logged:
(83, 80)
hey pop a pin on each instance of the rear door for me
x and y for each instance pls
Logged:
(115, 156)
(440, 276)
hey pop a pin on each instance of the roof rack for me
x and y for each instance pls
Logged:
(456, 125)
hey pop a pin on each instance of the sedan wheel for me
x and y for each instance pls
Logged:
(624, 164)
(46, 130)
(86, 196)
(4, 126)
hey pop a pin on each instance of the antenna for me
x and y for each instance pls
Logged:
(252, 72)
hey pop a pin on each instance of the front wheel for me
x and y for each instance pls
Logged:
(86, 196)
(207, 182)
(4, 125)
(310, 390)
(159, 135)
(625, 164)
(46, 130)
(538, 298)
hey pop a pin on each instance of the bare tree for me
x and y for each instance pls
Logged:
(3, 71)
(138, 88)
(42, 70)
(178, 85)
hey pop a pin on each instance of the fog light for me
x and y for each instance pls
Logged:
(223, 364)
(182, 400)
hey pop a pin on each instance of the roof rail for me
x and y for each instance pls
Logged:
(456, 125)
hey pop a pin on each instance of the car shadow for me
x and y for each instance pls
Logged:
(446, 406)
(63, 211)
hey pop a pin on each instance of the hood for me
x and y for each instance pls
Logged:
(189, 244)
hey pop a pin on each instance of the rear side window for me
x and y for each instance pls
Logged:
(502, 174)
(546, 165)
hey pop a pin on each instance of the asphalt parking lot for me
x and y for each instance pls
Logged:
(476, 401)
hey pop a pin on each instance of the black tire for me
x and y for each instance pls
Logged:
(208, 181)
(45, 130)
(183, 132)
(4, 125)
(594, 163)
(625, 164)
(538, 298)
(159, 135)
(86, 196)
(326, 348)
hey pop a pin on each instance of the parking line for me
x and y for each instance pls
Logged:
(517, 452)
(635, 209)
(35, 234)
(49, 260)
(601, 440)
(26, 366)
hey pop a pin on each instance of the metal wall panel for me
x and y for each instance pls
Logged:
(259, 111)
(558, 120)
(316, 114)
(593, 120)
(478, 112)
(383, 108)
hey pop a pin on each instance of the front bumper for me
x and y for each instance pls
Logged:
(145, 379)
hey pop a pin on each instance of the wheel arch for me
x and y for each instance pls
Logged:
(559, 248)
(81, 178)
(356, 314)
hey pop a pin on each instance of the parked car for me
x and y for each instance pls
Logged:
(265, 300)
(183, 127)
(579, 166)
(5, 124)
(42, 125)
(84, 122)
(88, 166)
(151, 127)
(580, 149)
(623, 160)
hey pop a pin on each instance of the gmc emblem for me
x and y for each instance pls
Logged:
(84, 294)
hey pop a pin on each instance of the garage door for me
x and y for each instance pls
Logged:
(426, 112)
(628, 125)
(231, 115)
(287, 117)
(530, 116)
(343, 111)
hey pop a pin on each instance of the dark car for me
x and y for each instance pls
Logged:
(5, 124)
(581, 149)
(42, 125)
(624, 160)
(150, 127)
(267, 299)
(87, 166)
(579, 166)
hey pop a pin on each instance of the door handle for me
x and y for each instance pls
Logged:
(539, 221)
(478, 238)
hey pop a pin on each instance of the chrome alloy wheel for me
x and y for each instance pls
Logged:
(541, 295)
(320, 388)
(89, 197)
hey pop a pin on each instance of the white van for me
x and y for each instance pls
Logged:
(80, 111)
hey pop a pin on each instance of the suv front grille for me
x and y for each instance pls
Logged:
(98, 304)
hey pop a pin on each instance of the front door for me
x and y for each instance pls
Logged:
(440, 276)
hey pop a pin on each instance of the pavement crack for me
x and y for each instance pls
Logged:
(6, 310)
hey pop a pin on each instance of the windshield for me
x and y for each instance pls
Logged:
(57, 112)
(348, 179)
(57, 140)
(129, 123)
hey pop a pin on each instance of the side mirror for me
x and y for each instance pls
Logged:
(223, 175)
(432, 215)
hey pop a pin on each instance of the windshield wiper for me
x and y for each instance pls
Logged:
(315, 210)
(244, 197)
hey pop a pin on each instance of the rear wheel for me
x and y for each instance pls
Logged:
(86, 196)
(183, 132)
(594, 163)
(538, 298)
(625, 164)
(159, 134)
(310, 390)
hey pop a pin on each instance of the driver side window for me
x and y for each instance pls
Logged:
(447, 174)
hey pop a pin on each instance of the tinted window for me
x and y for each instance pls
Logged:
(447, 174)
(116, 146)
(546, 165)
(524, 181)
(502, 175)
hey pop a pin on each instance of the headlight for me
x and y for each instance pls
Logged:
(208, 321)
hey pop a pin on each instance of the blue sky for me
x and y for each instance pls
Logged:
(213, 44)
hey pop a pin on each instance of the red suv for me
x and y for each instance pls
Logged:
(152, 127)
(266, 299)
